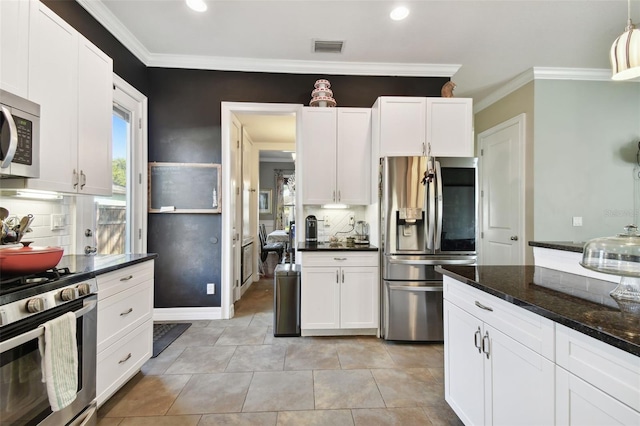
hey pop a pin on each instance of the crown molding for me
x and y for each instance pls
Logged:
(302, 67)
(103, 15)
(542, 73)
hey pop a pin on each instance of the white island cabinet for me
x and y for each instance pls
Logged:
(497, 369)
(339, 293)
(125, 326)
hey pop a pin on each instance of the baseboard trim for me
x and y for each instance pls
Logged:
(193, 314)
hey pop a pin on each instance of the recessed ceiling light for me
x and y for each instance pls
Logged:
(197, 5)
(399, 13)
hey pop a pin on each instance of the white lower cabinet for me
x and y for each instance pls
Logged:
(125, 326)
(499, 367)
(492, 379)
(505, 365)
(339, 291)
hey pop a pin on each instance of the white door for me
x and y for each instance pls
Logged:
(235, 209)
(502, 194)
(354, 156)
(358, 297)
(319, 155)
(402, 126)
(320, 298)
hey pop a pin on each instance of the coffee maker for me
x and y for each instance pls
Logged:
(311, 230)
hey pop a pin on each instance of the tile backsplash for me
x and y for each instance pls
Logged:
(44, 211)
(334, 221)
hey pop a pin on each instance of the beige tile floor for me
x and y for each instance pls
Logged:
(234, 372)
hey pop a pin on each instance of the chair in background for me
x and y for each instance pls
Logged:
(266, 248)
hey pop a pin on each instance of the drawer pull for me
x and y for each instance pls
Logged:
(481, 306)
(339, 258)
(125, 359)
(126, 278)
(126, 313)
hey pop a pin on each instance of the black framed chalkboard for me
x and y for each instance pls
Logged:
(184, 188)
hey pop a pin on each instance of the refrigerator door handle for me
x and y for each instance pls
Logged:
(439, 203)
(416, 289)
(433, 261)
(431, 207)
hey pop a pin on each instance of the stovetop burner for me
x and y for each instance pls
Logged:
(21, 282)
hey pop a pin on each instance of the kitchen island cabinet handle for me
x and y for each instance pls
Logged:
(481, 306)
(127, 312)
(126, 278)
(125, 359)
(476, 340)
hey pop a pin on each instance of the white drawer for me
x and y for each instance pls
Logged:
(532, 330)
(114, 282)
(120, 314)
(118, 363)
(610, 369)
(339, 258)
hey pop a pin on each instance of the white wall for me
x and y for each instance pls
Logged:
(586, 141)
(42, 210)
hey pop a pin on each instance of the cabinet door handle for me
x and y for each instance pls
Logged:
(334, 195)
(75, 179)
(339, 197)
(337, 277)
(485, 344)
(131, 276)
(127, 312)
(125, 359)
(481, 306)
(476, 340)
(83, 179)
(342, 277)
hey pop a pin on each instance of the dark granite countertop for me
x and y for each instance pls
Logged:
(335, 247)
(102, 263)
(559, 245)
(578, 302)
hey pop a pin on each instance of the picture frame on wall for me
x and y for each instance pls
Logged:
(264, 201)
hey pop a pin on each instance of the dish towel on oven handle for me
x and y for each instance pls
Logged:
(59, 353)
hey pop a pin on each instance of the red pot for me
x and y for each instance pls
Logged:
(28, 260)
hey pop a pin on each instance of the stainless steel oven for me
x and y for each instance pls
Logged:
(23, 395)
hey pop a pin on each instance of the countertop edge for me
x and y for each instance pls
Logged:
(106, 263)
(576, 247)
(568, 322)
(327, 247)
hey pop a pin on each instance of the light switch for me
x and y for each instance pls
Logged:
(58, 221)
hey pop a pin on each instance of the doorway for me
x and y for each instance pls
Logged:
(232, 192)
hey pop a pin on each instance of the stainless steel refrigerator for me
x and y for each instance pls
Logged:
(428, 211)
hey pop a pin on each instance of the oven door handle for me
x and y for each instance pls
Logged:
(39, 331)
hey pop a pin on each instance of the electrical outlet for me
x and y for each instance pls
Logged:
(211, 288)
(352, 220)
(577, 221)
(326, 221)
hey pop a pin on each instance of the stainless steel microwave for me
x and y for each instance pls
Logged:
(19, 137)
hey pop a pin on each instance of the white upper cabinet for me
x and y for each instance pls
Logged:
(336, 153)
(14, 47)
(424, 126)
(450, 127)
(72, 80)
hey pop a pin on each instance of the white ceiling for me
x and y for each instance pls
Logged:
(480, 44)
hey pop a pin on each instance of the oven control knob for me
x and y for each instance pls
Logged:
(35, 305)
(84, 289)
(69, 294)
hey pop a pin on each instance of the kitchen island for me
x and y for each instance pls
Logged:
(526, 342)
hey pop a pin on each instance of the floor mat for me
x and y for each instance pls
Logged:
(165, 333)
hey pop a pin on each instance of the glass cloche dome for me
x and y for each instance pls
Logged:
(619, 255)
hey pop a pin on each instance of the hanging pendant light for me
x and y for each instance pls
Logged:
(625, 52)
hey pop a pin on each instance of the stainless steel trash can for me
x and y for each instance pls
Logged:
(286, 300)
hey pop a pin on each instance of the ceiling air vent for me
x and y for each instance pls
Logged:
(324, 46)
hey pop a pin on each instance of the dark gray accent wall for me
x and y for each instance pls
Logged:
(185, 126)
